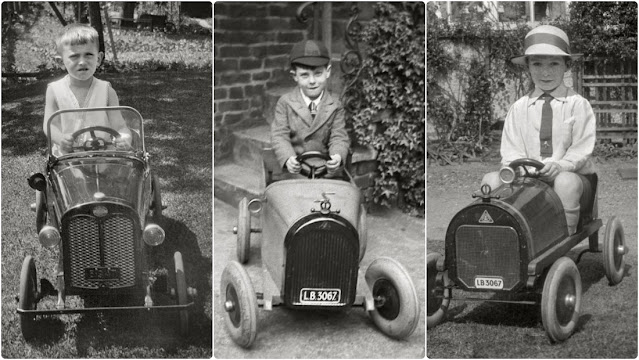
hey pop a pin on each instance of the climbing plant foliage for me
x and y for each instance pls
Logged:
(470, 73)
(390, 116)
(468, 70)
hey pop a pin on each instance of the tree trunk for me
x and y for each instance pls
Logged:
(96, 22)
(57, 13)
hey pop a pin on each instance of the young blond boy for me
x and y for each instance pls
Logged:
(564, 143)
(309, 118)
(77, 48)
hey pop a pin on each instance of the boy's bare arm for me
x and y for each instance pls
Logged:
(50, 107)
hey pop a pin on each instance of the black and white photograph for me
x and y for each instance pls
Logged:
(319, 180)
(531, 179)
(107, 180)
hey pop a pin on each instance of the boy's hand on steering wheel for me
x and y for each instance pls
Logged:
(123, 142)
(66, 143)
(550, 171)
(333, 164)
(293, 166)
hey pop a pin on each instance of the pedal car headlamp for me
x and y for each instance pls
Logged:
(153, 235)
(37, 182)
(49, 236)
(507, 174)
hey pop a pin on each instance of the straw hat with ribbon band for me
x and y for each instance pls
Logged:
(545, 40)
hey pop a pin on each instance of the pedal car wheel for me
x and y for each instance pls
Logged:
(240, 303)
(614, 250)
(436, 307)
(157, 197)
(28, 297)
(243, 232)
(397, 309)
(180, 284)
(40, 210)
(561, 299)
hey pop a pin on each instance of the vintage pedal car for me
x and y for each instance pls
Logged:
(313, 239)
(100, 205)
(513, 241)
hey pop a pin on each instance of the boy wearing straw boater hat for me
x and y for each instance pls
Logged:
(552, 123)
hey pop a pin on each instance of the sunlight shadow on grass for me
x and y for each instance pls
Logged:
(49, 330)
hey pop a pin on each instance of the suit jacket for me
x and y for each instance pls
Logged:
(293, 130)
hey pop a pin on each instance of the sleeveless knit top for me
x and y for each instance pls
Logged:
(97, 96)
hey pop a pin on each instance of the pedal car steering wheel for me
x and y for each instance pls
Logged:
(95, 142)
(538, 165)
(309, 169)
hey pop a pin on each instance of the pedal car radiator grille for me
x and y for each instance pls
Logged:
(322, 258)
(105, 246)
(487, 251)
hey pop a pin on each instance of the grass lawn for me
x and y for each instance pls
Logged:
(607, 326)
(29, 46)
(177, 107)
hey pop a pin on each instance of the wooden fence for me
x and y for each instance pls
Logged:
(611, 89)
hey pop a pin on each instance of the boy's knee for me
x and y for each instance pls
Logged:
(568, 187)
(568, 182)
(492, 179)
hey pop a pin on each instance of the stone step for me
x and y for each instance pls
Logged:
(232, 182)
(248, 145)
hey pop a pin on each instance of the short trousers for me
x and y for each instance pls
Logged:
(588, 181)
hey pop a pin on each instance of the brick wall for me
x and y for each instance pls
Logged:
(252, 43)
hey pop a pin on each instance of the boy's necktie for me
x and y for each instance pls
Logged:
(545, 131)
(313, 109)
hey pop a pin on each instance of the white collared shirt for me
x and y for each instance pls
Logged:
(573, 130)
(308, 100)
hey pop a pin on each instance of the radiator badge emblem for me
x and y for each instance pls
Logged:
(325, 204)
(485, 218)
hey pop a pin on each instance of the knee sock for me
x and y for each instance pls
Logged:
(572, 219)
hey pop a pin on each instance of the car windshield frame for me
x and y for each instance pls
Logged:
(139, 151)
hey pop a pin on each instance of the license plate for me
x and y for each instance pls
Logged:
(309, 296)
(102, 273)
(489, 283)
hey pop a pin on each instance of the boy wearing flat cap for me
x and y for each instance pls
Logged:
(309, 118)
(552, 123)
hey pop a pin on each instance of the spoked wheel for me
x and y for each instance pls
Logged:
(157, 197)
(436, 307)
(397, 309)
(40, 210)
(180, 284)
(243, 231)
(28, 297)
(561, 299)
(614, 250)
(240, 303)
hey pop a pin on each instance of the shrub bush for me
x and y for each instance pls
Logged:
(391, 115)
(605, 30)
